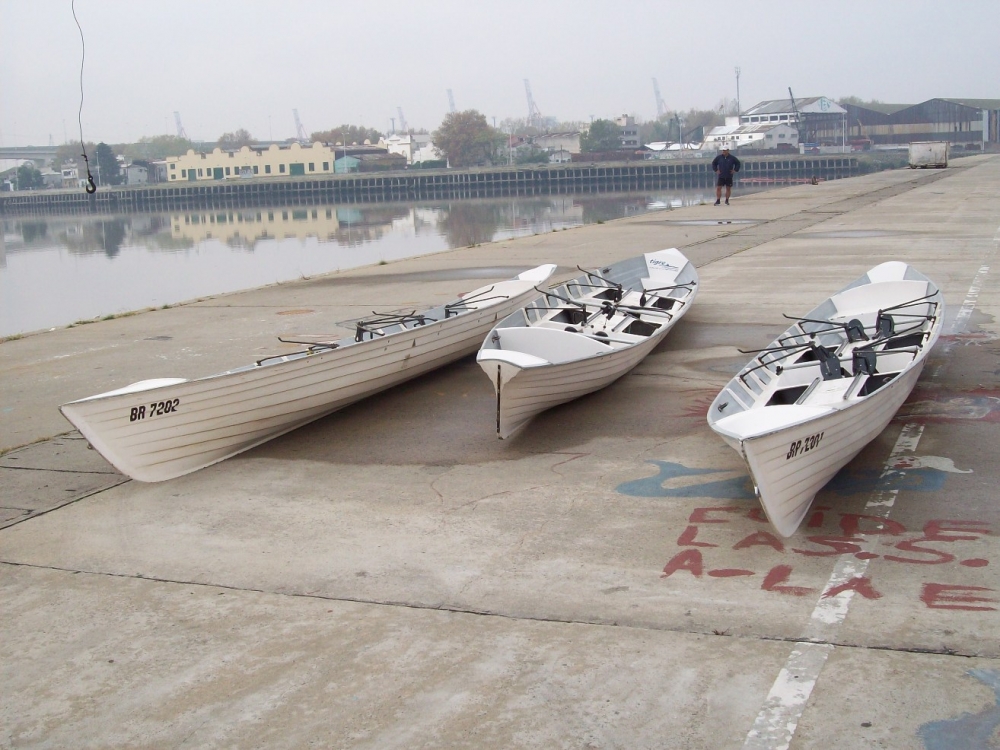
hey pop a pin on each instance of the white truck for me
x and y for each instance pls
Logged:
(925, 154)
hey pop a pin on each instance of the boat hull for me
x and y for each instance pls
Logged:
(524, 392)
(158, 430)
(785, 484)
(808, 404)
(585, 335)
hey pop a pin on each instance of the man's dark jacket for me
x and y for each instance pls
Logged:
(725, 165)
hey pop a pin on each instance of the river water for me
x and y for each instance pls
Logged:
(60, 270)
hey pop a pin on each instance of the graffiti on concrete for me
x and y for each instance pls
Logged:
(938, 542)
(911, 473)
(968, 731)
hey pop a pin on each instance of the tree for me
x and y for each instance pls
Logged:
(154, 148)
(857, 101)
(468, 224)
(346, 134)
(235, 141)
(109, 171)
(531, 155)
(28, 177)
(658, 130)
(466, 139)
(604, 135)
(706, 118)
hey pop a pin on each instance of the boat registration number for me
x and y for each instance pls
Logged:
(804, 445)
(155, 409)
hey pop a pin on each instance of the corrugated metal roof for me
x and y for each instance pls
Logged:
(882, 107)
(779, 106)
(810, 104)
(977, 103)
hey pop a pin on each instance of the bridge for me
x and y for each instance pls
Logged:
(40, 155)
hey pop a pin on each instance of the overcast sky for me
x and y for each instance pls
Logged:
(229, 64)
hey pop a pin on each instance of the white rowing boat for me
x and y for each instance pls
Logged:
(163, 428)
(807, 404)
(584, 334)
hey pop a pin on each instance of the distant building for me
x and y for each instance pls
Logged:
(967, 124)
(560, 147)
(426, 153)
(274, 161)
(552, 142)
(51, 178)
(71, 176)
(778, 136)
(414, 147)
(630, 132)
(817, 119)
(347, 164)
(157, 171)
(669, 150)
(135, 174)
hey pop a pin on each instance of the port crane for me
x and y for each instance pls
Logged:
(534, 114)
(661, 108)
(300, 132)
(798, 117)
(181, 132)
(402, 121)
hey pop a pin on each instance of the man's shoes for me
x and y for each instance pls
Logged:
(727, 201)
(717, 203)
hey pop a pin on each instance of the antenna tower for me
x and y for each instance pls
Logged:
(661, 108)
(451, 101)
(300, 132)
(534, 115)
(181, 132)
(402, 121)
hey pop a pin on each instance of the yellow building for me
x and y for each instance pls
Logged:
(275, 161)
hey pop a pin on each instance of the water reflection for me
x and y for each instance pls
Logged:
(57, 270)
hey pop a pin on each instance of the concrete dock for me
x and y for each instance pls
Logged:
(392, 576)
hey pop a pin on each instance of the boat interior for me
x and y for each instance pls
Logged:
(848, 348)
(593, 314)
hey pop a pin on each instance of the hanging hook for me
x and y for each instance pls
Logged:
(91, 187)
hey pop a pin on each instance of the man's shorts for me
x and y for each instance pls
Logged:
(725, 181)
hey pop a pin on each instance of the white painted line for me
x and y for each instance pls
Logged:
(965, 312)
(830, 611)
(775, 725)
(778, 718)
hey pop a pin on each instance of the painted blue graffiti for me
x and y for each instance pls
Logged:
(737, 488)
(847, 482)
(850, 481)
(968, 731)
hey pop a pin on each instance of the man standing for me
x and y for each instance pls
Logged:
(724, 165)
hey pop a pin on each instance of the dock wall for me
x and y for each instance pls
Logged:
(417, 184)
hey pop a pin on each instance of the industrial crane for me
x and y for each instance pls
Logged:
(300, 132)
(181, 132)
(661, 108)
(402, 121)
(534, 115)
(451, 102)
(798, 117)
